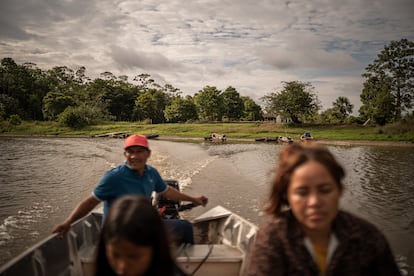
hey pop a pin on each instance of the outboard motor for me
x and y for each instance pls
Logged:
(170, 209)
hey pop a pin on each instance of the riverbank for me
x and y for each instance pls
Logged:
(230, 140)
(398, 134)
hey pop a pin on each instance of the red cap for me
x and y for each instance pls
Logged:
(136, 140)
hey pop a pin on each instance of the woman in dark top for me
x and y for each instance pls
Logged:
(305, 233)
(134, 241)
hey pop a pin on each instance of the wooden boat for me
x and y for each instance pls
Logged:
(124, 135)
(113, 135)
(306, 136)
(267, 139)
(214, 137)
(285, 139)
(222, 239)
(152, 135)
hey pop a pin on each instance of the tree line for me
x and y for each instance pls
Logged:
(72, 98)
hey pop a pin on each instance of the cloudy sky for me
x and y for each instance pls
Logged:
(252, 45)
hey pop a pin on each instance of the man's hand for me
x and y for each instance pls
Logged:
(201, 200)
(61, 229)
(174, 194)
(81, 210)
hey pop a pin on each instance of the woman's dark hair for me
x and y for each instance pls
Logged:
(133, 218)
(291, 157)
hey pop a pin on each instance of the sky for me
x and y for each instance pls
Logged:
(251, 45)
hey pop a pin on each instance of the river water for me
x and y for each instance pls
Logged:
(42, 179)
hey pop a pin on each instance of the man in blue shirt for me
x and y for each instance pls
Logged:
(135, 176)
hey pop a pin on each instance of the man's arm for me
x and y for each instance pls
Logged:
(174, 194)
(82, 209)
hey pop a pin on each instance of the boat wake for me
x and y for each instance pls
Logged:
(16, 230)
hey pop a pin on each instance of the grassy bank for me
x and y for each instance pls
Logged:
(402, 131)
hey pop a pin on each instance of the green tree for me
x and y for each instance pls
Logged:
(117, 96)
(145, 81)
(121, 101)
(331, 115)
(80, 75)
(61, 78)
(9, 106)
(2, 112)
(108, 76)
(150, 105)
(64, 90)
(209, 103)
(171, 91)
(296, 102)
(343, 108)
(232, 104)
(24, 83)
(55, 103)
(251, 110)
(377, 100)
(36, 91)
(181, 110)
(8, 77)
(393, 69)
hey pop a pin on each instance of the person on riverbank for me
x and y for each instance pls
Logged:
(305, 232)
(135, 176)
(134, 241)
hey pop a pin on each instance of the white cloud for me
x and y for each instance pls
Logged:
(252, 45)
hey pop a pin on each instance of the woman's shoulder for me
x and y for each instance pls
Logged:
(352, 220)
(274, 220)
(354, 227)
(278, 225)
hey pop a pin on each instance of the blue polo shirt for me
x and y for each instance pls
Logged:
(122, 180)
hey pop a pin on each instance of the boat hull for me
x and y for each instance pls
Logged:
(221, 247)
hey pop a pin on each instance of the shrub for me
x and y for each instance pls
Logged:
(81, 116)
(147, 122)
(400, 127)
(2, 112)
(72, 118)
(15, 120)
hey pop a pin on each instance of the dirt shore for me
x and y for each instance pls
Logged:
(320, 141)
(366, 143)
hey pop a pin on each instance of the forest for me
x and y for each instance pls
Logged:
(71, 98)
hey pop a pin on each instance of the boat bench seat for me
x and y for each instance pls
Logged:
(223, 259)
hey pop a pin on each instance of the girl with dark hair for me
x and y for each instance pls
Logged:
(305, 233)
(134, 241)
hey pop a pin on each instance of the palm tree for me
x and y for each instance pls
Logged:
(343, 107)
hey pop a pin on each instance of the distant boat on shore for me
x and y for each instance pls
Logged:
(267, 139)
(152, 135)
(285, 139)
(306, 136)
(214, 137)
(113, 135)
(124, 135)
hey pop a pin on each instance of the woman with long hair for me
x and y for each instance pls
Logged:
(134, 241)
(305, 232)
